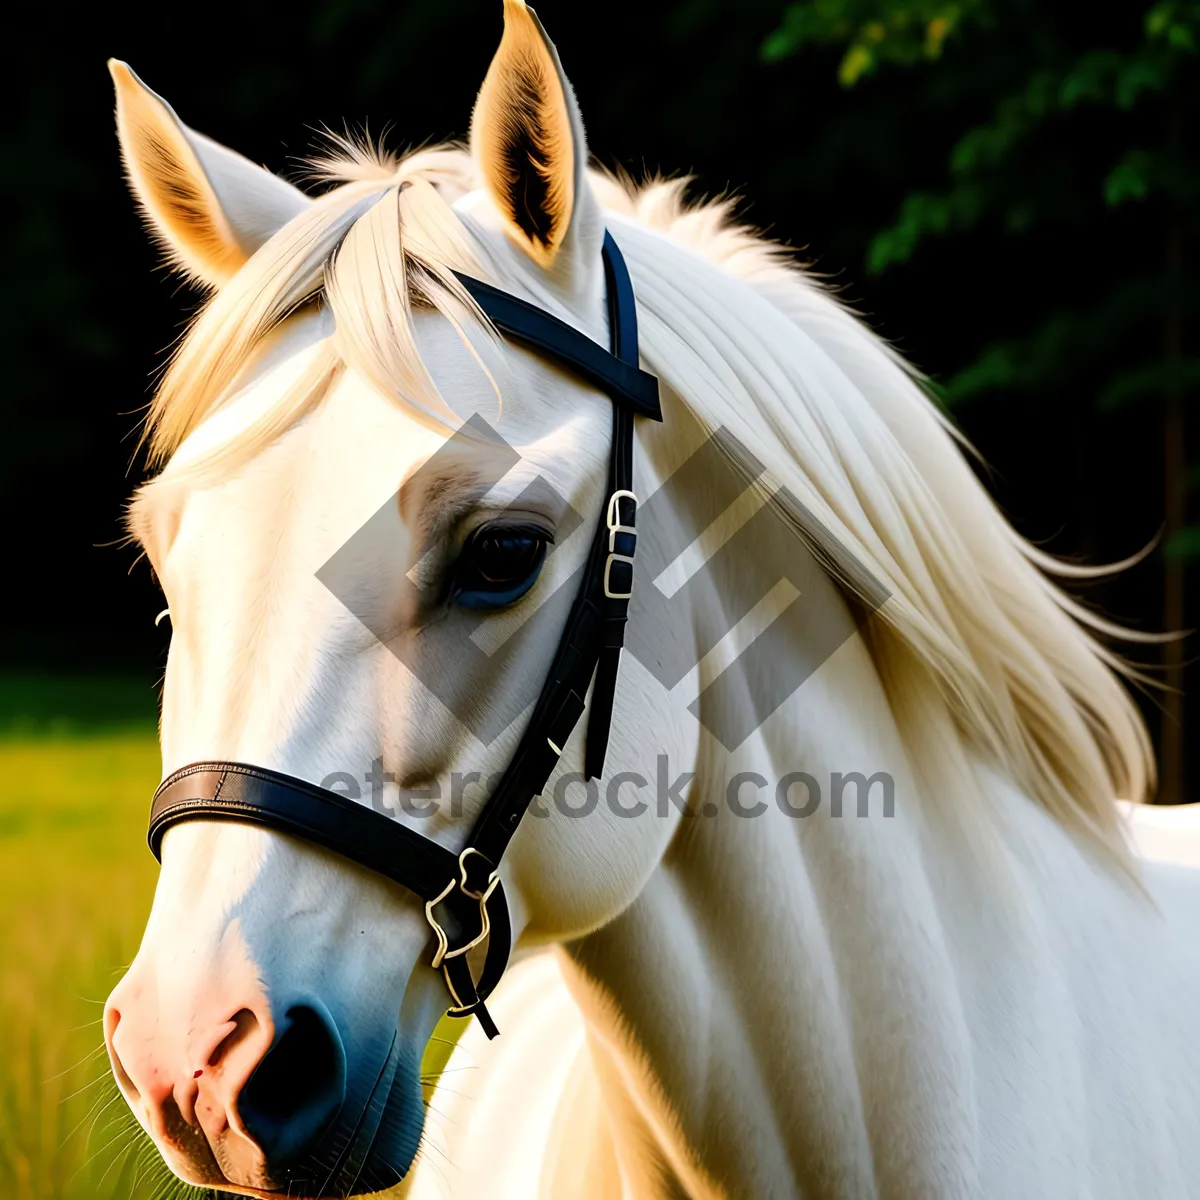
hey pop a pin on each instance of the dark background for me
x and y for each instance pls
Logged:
(1003, 189)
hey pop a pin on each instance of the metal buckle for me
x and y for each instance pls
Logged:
(443, 941)
(443, 950)
(612, 518)
(462, 870)
(612, 558)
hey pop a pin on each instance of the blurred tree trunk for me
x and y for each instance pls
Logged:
(1171, 783)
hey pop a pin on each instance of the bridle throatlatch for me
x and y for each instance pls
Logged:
(463, 895)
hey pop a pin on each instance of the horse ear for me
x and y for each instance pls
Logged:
(210, 208)
(528, 141)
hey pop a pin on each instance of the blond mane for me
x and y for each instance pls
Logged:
(984, 659)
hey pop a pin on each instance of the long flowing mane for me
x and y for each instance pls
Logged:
(988, 665)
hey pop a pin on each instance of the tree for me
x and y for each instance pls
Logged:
(1038, 88)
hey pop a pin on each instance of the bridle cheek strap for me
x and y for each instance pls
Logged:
(230, 791)
(462, 894)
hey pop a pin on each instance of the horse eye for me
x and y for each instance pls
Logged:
(498, 565)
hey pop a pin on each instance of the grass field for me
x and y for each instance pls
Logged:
(78, 762)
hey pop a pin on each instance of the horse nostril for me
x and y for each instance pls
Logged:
(297, 1089)
(245, 1024)
(112, 1018)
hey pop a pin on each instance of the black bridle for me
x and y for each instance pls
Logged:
(464, 898)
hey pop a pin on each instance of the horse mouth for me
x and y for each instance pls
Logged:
(233, 1189)
(232, 1165)
(310, 1182)
(369, 1182)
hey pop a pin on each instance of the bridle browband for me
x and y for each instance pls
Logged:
(464, 898)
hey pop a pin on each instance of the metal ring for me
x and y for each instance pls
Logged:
(485, 918)
(485, 927)
(612, 517)
(462, 868)
(625, 558)
(443, 941)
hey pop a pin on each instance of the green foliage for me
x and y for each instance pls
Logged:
(1174, 23)
(873, 32)
(1013, 169)
(1056, 82)
(980, 158)
(1150, 380)
(923, 214)
(1034, 84)
(1050, 353)
(1184, 544)
(43, 705)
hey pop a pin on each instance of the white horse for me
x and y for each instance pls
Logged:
(974, 989)
(505, 1115)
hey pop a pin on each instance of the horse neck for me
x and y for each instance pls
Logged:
(777, 1014)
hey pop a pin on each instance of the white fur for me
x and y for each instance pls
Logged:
(773, 1007)
(969, 998)
(495, 1097)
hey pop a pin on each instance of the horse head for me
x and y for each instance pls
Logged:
(396, 505)
(367, 527)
